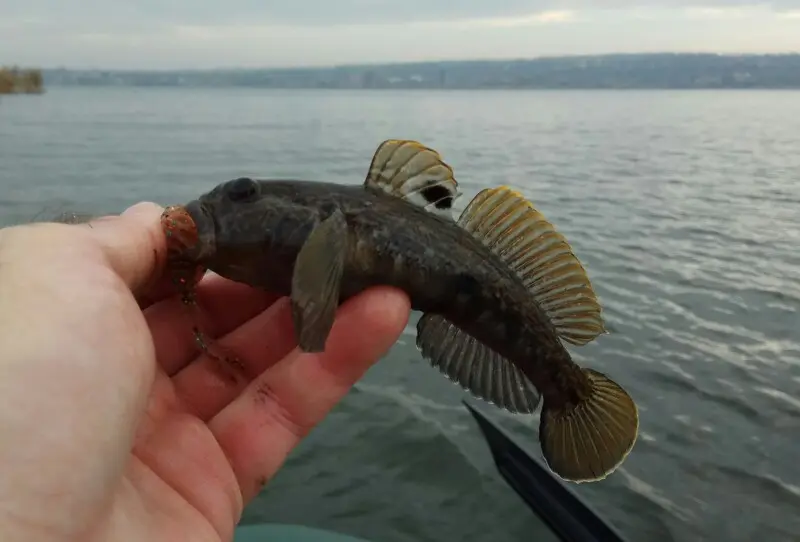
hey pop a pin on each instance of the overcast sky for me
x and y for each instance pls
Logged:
(246, 33)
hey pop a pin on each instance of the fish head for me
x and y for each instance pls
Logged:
(198, 232)
(196, 229)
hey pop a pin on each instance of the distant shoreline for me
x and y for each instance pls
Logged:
(234, 88)
(667, 71)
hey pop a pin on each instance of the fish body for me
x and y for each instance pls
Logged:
(442, 268)
(499, 288)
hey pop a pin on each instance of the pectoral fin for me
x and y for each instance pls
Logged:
(316, 280)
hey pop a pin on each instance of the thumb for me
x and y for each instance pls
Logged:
(133, 244)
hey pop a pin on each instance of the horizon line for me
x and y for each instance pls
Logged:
(411, 62)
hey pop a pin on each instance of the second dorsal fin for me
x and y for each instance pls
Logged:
(514, 230)
(409, 170)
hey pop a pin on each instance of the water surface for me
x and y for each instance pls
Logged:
(684, 207)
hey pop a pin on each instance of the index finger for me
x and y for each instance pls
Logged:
(261, 426)
(133, 244)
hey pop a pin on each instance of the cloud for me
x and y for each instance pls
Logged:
(206, 33)
(128, 13)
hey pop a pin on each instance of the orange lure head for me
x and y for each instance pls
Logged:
(182, 237)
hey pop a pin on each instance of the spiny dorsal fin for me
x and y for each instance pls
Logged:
(512, 228)
(414, 172)
(475, 367)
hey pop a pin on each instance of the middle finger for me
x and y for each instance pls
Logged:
(207, 385)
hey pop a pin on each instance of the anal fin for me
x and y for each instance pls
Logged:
(474, 366)
(409, 170)
(316, 282)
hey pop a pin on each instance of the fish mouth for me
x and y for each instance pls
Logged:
(206, 230)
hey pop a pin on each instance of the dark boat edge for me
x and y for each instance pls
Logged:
(569, 516)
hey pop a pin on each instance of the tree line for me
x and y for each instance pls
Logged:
(15, 80)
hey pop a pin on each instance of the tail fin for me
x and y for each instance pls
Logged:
(589, 441)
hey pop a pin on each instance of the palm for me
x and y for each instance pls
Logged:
(180, 471)
(158, 441)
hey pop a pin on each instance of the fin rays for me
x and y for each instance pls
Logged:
(583, 442)
(521, 236)
(316, 282)
(411, 171)
(475, 367)
(587, 442)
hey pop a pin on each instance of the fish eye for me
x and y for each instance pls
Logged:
(242, 190)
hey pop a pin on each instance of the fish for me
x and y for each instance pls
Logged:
(500, 290)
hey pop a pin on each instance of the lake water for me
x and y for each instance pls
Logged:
(684, 207)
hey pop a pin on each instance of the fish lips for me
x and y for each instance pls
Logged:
(206, 231)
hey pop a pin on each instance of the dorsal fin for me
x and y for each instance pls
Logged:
(414, 172)
(512, 228)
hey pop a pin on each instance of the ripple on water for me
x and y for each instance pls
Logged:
(435, 438)
(682, 206)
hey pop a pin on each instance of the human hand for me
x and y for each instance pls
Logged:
(113, 426)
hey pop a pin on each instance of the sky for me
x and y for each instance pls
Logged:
(189, 34)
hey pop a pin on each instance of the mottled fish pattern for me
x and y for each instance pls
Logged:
(501, 291)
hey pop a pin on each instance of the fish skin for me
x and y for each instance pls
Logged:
(499, 287)
(442, 268)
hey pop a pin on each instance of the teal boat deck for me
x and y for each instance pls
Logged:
(273, 532)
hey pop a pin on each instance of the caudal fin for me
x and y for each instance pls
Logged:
(590, 440)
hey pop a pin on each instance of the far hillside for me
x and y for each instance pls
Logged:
(623, 71)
